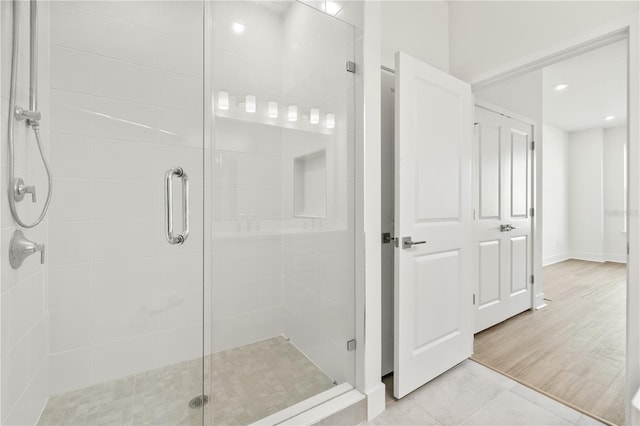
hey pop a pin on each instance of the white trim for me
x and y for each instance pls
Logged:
(479, 102)
(316, 414)
(369, 299)
(616, 258)
(540, 304)
(556, 258)
(613, 31)
(302, 406)
(633, 190)
(589, 257)
(629, 25)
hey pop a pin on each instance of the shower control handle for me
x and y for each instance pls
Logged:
(20, 248)
(20, 190)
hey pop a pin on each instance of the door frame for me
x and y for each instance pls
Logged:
(627, 27)
(479, 103)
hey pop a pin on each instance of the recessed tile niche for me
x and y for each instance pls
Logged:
(310, 185)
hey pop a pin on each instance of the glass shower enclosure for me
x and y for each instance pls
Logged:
(200, 242)
(283, 214)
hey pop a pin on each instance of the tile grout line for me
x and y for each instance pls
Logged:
(486, 405)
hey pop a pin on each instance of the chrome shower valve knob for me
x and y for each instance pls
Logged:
(20, 190)
(20, 248)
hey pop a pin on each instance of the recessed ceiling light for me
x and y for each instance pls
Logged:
(561, 86)
(238, 28)
(332, 8)
(610, 117)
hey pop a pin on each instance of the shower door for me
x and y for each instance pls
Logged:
(125, 249)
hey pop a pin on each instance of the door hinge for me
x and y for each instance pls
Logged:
(474, 299)
(532, 211)
(532, 279)
(351, 345)
(351, 66)
(533, 145)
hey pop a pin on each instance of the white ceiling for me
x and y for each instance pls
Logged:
(597, 87)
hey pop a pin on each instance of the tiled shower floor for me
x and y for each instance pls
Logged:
(249, 383)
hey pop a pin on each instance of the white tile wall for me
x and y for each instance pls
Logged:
(23, 317)
(127, 96)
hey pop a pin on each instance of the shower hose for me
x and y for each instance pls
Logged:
(33, 123)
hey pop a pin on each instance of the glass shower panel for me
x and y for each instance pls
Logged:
(283, 207)
(125, 300)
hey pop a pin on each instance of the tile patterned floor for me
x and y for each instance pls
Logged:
(257, 380)
(471, 394)
(249, 383)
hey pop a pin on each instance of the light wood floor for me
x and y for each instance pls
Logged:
(574, 349)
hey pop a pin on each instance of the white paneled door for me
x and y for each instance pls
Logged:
(502, 181)
(434, 257)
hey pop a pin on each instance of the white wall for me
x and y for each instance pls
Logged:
(24, 367)
(419, 28)
(487, 34)
(555, 192)
(586, 194)
(126, 89)
(615, 240)
(520, 95)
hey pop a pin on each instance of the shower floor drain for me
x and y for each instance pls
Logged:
(198, 401)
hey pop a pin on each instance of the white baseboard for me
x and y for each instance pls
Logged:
(590, 257)
(376, 401)
(539, 302)
(617, 258)
(556, 258)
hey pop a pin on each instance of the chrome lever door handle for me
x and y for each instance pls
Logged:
(407, 243)
(168, 200)
(507, 228)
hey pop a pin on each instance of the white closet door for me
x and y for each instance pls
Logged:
(503, 171)
(434, 260)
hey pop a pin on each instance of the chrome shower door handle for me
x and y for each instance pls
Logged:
(168, 201)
